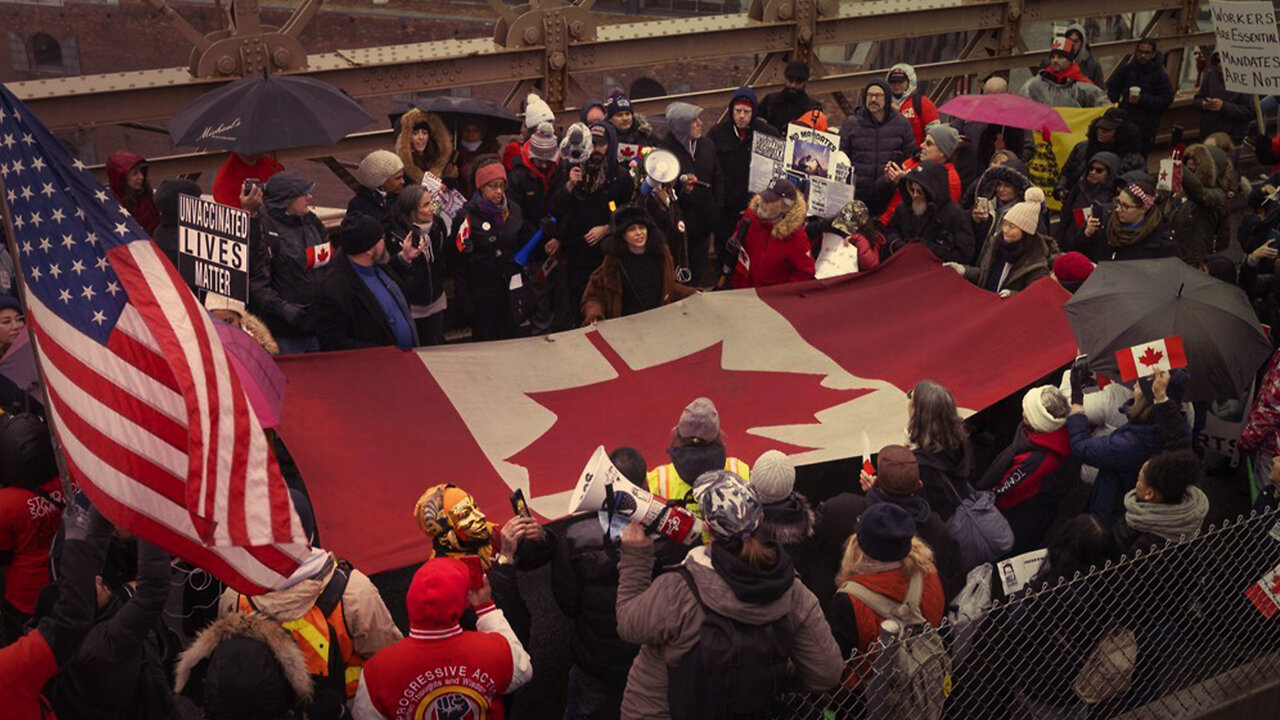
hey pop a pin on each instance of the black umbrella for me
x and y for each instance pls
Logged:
(1127, 303)
(261, 114)
(497, 118)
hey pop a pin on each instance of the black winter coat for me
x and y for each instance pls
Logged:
(578, 211)
(734, 154)
(423, 278)
(1127, 146)
(377, 205)
(954, 468)
(702, 206)
(282, 289)
(944, 228)
(488, 265)
(1234, 115)
(348, 316)
(118, 672)
(526, 189)
(870, 144)
(1155, 98)
(1069, 235)
(781, 108)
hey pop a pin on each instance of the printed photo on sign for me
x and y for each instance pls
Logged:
(809, 152)
(213, 247)
(766, 161)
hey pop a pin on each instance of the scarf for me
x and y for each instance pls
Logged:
(1066, 77)
(1170, 522)
(497, 213)
(874, 567)
(1120, 235)
(424, 232)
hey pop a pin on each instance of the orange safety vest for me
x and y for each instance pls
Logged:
(315, 633)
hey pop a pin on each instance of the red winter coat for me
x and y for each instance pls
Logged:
(856, 626)
(231, 176)
(774, 253)
(1036, 457)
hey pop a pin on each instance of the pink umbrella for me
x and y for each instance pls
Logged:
(1005, 109)
(261, 378)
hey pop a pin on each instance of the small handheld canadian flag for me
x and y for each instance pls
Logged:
(319, 255)
(1145, 359)
(464, 235)
(1265, 594)
(867, 467)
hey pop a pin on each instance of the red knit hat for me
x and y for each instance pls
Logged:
(1072, 267)
(438, 594)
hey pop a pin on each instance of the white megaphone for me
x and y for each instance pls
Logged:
(602, 487)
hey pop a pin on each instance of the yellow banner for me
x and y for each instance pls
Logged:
(1050, 155)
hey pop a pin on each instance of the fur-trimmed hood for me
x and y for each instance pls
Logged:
(1012, 174)
(791, 520)
(255, 627)
(1211, 164)
(440, 143)
(254, 325)
(791, 220)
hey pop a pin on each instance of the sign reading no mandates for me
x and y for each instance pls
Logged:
(213, 247)
(1249, 46)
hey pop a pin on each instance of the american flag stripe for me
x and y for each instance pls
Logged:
(152, 418)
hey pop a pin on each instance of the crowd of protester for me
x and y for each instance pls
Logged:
(793, 588)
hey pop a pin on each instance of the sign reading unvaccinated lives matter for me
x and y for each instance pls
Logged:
(1248, 45)
(213, 247)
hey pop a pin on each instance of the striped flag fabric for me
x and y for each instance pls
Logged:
(153, 422)
(1142, 360)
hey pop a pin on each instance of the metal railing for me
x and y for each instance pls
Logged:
(1179, 612)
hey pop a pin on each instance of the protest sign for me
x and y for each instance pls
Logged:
(809, 152)
(839, 257)
(449, 202)
(213, 247)
(1248, 44)
(766, 161)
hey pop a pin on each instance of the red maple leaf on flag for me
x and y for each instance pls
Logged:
(1275, 586)
(627, 151)
(1150, 357)
(625, 410)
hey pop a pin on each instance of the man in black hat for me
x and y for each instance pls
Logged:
(632, 129)
(1143, 88)
(362, 302)
(779, 109)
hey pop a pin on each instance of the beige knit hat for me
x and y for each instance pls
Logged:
(1026, 215)
(378, 167)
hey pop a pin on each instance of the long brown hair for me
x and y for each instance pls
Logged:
(920, 559)
(935, 425)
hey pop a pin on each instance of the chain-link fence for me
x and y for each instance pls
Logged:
(1167, 633)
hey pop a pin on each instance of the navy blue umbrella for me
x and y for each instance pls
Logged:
(261, 114)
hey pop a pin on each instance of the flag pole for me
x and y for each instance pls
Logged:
(11, 242)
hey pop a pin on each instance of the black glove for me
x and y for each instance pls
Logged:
(1079, 376)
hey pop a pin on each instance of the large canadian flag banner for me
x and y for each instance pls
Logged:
(804, 368)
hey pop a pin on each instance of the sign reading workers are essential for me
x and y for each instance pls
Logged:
(1249, 45)
(213, 247)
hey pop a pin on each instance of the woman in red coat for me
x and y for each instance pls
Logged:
(775, 246)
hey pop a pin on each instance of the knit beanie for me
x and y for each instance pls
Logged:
(885, 531)
(680, 115)
(946, 138)
(897, 472)
(438, 594)
(543, 144)
(358, 233)
(773, 476)
(796, 70)
(1036, 415)
(1072, 268)
(617, 103)
(537, 111)
(283, 187)
(729, 506)
(378, 167)
(486, 174)
(1026, 214)
(9, 302)
(699, 420)
(575, 148)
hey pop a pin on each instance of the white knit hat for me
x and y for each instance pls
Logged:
(378, 167)
(537, 111)
(1034, 412)
(773, 476)
(214, 301)
(1026, 215)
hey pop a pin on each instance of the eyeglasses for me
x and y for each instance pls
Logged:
(1120, 204)
(1097, 169)
(871, 95)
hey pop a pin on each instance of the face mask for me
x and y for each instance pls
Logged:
(470, 146)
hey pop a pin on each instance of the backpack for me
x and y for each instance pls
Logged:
(968, 610)
(979, 528)
(734, 671)
(915, 679)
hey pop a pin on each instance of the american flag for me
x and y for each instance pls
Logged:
(152, 420)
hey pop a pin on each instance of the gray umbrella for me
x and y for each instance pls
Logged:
(1127, 303)
(261, 114)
